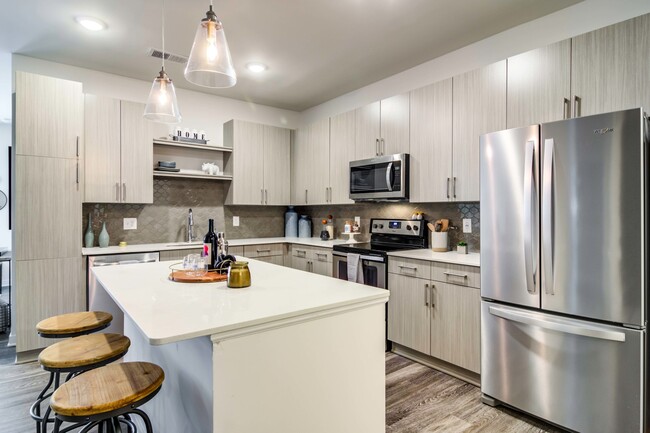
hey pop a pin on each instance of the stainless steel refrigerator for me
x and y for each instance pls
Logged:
(563, 271)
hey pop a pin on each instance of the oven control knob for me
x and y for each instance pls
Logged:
(374, 226)
(416, 228)
(381, 226)
(408, 227)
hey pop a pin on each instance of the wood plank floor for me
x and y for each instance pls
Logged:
(418, 400)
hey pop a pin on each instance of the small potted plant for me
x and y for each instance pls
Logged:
(461, 248)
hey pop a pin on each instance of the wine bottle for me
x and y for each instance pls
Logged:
(210, 245)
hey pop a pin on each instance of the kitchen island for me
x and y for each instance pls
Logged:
(294, 352)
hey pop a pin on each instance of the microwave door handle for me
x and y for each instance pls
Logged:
(389, 180)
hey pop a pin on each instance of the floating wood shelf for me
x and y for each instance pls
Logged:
(180, 174)
(164, 142)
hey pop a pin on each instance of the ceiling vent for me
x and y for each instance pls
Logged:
(168, 56)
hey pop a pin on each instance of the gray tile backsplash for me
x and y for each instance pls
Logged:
(166, 219)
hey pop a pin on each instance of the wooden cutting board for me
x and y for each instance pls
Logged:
(187, 277)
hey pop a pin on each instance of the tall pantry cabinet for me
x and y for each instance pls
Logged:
(47, 195)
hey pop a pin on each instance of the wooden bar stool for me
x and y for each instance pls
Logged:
(73, 324)
(106, 397)
(74, 356)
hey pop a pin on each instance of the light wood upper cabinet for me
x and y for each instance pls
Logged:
(409, 313)
(136, 154)
(367, 132)
(260, 163)
(102, 150)
(310, 159)
(394, 136)
(119, 152)
(382, 127)
(456, 325)
(479, 104)
(342, 136)
(539, 85)
(431, 142)
(47, 208)
(610, 68)
(50, 113)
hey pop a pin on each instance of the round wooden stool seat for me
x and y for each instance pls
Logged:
(84, 351)
(72, 324)
(107, 389)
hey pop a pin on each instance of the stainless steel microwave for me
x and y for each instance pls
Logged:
(385, 178)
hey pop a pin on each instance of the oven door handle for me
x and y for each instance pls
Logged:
(361, 257)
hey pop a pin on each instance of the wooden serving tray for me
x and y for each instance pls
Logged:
(187, 277)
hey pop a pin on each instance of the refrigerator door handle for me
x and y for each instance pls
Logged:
(553, 325)
(547, 216)
(529, 224)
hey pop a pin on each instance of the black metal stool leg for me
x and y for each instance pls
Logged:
(35, 409)
(145, 418)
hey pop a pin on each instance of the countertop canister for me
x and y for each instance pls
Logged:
(304, 227)
(291, 223)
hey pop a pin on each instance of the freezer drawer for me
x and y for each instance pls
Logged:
(581, 375)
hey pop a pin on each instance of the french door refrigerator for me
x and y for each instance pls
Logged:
(563, 271)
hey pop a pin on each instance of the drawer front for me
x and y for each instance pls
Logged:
(236, 251)
(300, 251)
(461, 275)
(409, 267)
(320, 255)
(262, 250)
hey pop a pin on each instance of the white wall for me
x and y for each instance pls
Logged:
(5, 141)
(575, 20)
(200, 111)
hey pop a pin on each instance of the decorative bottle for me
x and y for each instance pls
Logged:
(291, 223)
(304, 227)
(89, 237)
(104, 239)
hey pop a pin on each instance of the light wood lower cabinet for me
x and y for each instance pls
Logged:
(178, 254)
(47, 288)
(312, 259)
(436, 318)
(275, 260)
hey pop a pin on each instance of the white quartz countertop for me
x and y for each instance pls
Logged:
(166, 311)
(470, 259)
(168, 246)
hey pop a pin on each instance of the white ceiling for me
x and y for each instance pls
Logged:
(315, 49)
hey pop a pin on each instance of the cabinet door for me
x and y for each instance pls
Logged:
(479, 107)
(456, 325)
(610, 67)
(136, 154)
(318, 175)
(367, 131)
(277, 166)
(342, 134)
(539, 85)
(300, 160)
(394, 125)
(46, 288)
(300, 263)
(408, 312)
(49, 116)
(102, 149)
(248, 168)
(431, 142)
(321, 267)
(47, 208)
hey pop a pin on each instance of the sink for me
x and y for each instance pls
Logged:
(185, 244)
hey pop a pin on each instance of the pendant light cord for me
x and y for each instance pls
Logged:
(163, 35)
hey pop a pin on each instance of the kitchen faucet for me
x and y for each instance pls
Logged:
(190, 226)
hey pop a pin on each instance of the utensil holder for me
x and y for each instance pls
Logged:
(440, 241)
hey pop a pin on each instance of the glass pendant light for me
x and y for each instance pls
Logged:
(210, 64)
(162, 106)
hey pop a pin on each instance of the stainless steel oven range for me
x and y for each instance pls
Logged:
(386, 235)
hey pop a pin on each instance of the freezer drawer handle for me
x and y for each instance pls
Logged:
(585, 331)
(454, 274)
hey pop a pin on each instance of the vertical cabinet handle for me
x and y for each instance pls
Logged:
(306, 200)
(117, 191)
(77, 172)
(261, 195)
(376, 147)
(426, 295)
(124, 191)
(577, 106)
(567, 108)
(433, 304)
(382, 147)
(77, 146)
(266, 196)
(454, 187)
(447, 187)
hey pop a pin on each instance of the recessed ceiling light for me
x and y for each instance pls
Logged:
(92, 24)
(256, 67)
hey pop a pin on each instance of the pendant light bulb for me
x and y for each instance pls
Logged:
(162, 106)
(210, 64)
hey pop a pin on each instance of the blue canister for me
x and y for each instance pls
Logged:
(304, 227)
(291, 223)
